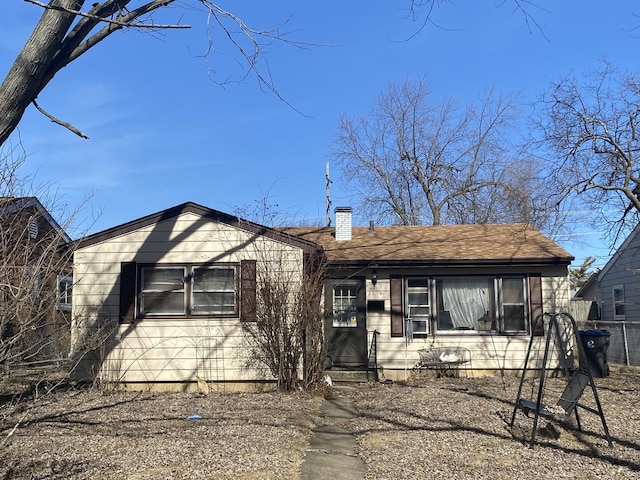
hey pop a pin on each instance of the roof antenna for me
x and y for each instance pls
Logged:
(328, 188)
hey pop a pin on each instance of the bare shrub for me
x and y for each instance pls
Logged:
(288, 335)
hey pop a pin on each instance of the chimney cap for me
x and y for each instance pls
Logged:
(342, 209)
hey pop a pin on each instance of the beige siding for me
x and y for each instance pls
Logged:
(556, 292)
(165, 350)
(181, 351)
(397, 357)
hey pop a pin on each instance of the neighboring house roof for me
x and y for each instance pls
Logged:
(11, 205)
(438, 245)
(589, 286)
(204, 212)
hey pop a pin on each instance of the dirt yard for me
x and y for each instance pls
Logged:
(459, 428)
(428, 428)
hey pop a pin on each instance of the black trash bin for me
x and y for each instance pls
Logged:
(595, 344)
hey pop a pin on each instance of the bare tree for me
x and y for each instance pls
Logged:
(590, 129)
(35, 269)
(287, 335)
(70, 28)
(67, 31)
(414, 162)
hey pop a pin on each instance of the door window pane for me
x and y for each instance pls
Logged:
(345, 306)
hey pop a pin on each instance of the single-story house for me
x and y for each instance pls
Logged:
(395, 288)
(162, 299)
(481, 287)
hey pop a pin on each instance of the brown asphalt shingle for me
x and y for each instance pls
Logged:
(437, 244)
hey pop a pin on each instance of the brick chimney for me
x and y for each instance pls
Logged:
(343, 223)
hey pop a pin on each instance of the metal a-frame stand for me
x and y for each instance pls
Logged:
(577, 378)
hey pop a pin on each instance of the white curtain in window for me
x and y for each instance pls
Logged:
(466, 300)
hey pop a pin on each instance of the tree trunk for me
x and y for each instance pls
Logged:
(30, 73)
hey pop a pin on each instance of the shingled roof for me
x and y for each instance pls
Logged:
(438, 245)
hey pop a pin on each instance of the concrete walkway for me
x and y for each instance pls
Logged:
(332, 450)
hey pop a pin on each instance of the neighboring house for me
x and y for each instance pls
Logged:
(35, 301)
(616, 287)
(163, 298)
(483, 287)
(586, 301)
(613, 294)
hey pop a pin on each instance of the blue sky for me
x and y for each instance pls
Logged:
(162, 132)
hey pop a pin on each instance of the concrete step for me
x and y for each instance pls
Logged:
(350, 375)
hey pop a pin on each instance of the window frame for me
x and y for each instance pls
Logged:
(526, 305)
(496, 304)
(234, 291)
(419, 289)
(188, 304)
(618, 303)
(66, 293)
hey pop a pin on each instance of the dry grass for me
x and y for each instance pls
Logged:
(430, 428)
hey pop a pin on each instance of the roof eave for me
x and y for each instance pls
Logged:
(529, 262)
(209, 213)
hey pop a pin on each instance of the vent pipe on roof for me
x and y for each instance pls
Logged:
(371, 226)
(343, 223)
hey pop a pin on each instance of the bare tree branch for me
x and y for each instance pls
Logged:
(66, 31)
(66, 125)
(415, 162)
(423, 10)
(117, 22)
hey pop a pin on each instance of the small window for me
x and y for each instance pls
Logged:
(214, 290)
(163, 291)
(514, 305)
(466, 303)
(479, 304)
(619, 312)
(418, 305)
(65, 289)
(32, 286)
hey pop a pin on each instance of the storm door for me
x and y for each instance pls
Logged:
(346, 322)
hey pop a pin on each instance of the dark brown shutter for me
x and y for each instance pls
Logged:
(535, 299)
(397, 313)
(248, 285)
(128, 271)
